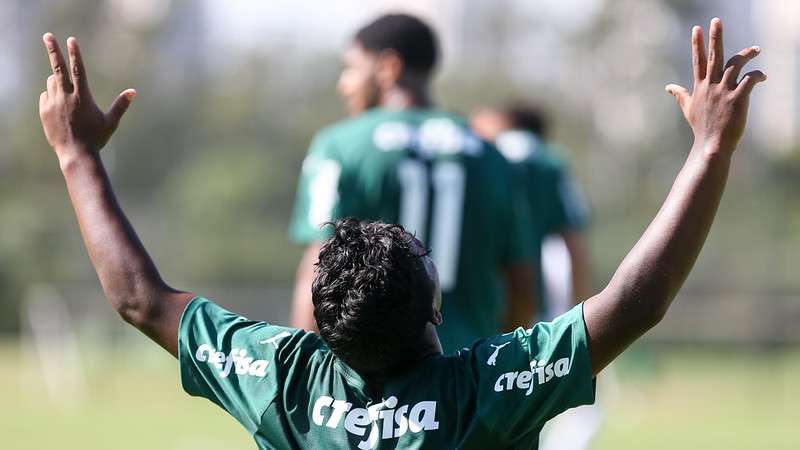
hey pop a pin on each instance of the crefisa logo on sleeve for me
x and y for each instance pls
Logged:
(237, 361)
(540, 373)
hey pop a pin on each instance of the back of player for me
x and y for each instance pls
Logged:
(560, 213)
(553, 197)
(424, 169)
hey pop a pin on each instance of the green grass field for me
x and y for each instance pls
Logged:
(704, 399)
(665, 399)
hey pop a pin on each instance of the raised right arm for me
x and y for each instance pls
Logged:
(652, 273)
(77, 129)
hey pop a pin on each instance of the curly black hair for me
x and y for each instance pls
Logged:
(372, 294)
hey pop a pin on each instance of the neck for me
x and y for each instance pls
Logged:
(430, 347)
(399, 98)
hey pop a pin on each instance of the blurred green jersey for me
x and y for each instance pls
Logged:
(555, 201)
(424, 169)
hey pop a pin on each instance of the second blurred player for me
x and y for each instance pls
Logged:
(560, 213)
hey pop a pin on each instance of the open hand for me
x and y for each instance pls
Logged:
(71, 119)
(717, 107)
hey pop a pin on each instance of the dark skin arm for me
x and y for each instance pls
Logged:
(302, 306)
(521, 298)
(77, 129)
(652, 273)
(578, 250)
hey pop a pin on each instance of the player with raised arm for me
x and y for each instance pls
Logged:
(375, 375)
(399, 159)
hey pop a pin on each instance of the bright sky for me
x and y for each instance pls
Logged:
(245, 23)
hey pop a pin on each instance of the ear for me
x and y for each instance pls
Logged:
(389, 69)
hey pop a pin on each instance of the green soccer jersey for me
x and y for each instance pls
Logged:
(555, 201)
(426, 170)
(290, 392)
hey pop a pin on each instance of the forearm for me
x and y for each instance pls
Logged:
(128, 276)
(521, 312)
(302, 304)
(662, 259)
(521, 299)
(578, 250)
(651, 274)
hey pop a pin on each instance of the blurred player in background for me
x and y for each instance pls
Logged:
(560, 219)
(559, 211)
(401, 160)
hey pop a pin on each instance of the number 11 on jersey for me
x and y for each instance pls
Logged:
(447, 180)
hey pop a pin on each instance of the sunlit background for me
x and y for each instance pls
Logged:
(206, 163)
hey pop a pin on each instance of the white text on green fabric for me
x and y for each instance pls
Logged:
(393, 422)
(540, 373)
(236, 360)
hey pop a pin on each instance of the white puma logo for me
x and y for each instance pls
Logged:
(274, 339)
(493, 357)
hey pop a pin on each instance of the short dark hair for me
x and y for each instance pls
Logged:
(409, 36)
(372, 295)
(527, 117)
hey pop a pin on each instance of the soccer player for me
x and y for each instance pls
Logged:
(560, 218)
(375, 375)
(401, 160)
(558, 207)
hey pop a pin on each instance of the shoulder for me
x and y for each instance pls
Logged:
(555, 156)
(450, 129)
(347, 141)
(204, 321)
(361, 125)
(526, 377)
(521, 147)
(526, 358)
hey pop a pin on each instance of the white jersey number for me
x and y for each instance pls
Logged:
(323, 193)
(448, 181)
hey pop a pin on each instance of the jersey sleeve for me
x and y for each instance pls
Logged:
(317, 195)
(527, 377)
(235, 362)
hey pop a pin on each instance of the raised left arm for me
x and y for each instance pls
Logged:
(77, 129)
